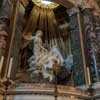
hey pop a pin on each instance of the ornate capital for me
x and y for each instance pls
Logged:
(83, 4)
(89, 4)
(72, 11)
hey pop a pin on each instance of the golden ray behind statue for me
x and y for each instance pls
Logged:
(45, 4)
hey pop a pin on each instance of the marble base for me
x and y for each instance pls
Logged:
(30, 91)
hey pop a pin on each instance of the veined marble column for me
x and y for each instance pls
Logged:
(4, 19)
(5, 13)
(97, 30)
(3, 36)
(77, 47)
(92, 44)
(10, 39)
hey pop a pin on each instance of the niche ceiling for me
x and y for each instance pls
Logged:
(45, 3)
(49, 21)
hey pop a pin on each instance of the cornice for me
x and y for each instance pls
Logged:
(45, 89)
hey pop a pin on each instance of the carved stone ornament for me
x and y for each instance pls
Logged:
(72, 11)
(83, 4)
(91, 4)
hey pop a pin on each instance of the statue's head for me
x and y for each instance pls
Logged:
(39, 33)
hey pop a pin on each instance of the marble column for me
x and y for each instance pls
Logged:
(5, 13)
(3, 36)
(91, 42)
(97, 30)
(5, 6)
(97, 27)
(10, 39)
(78, 70)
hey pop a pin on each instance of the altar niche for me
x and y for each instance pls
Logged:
(48, 63)
(47, 42)
(51, 60)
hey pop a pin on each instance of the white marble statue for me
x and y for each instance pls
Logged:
(38, 49)
(56, 53)
(44, 61)
(69, 62)
(54, 59)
